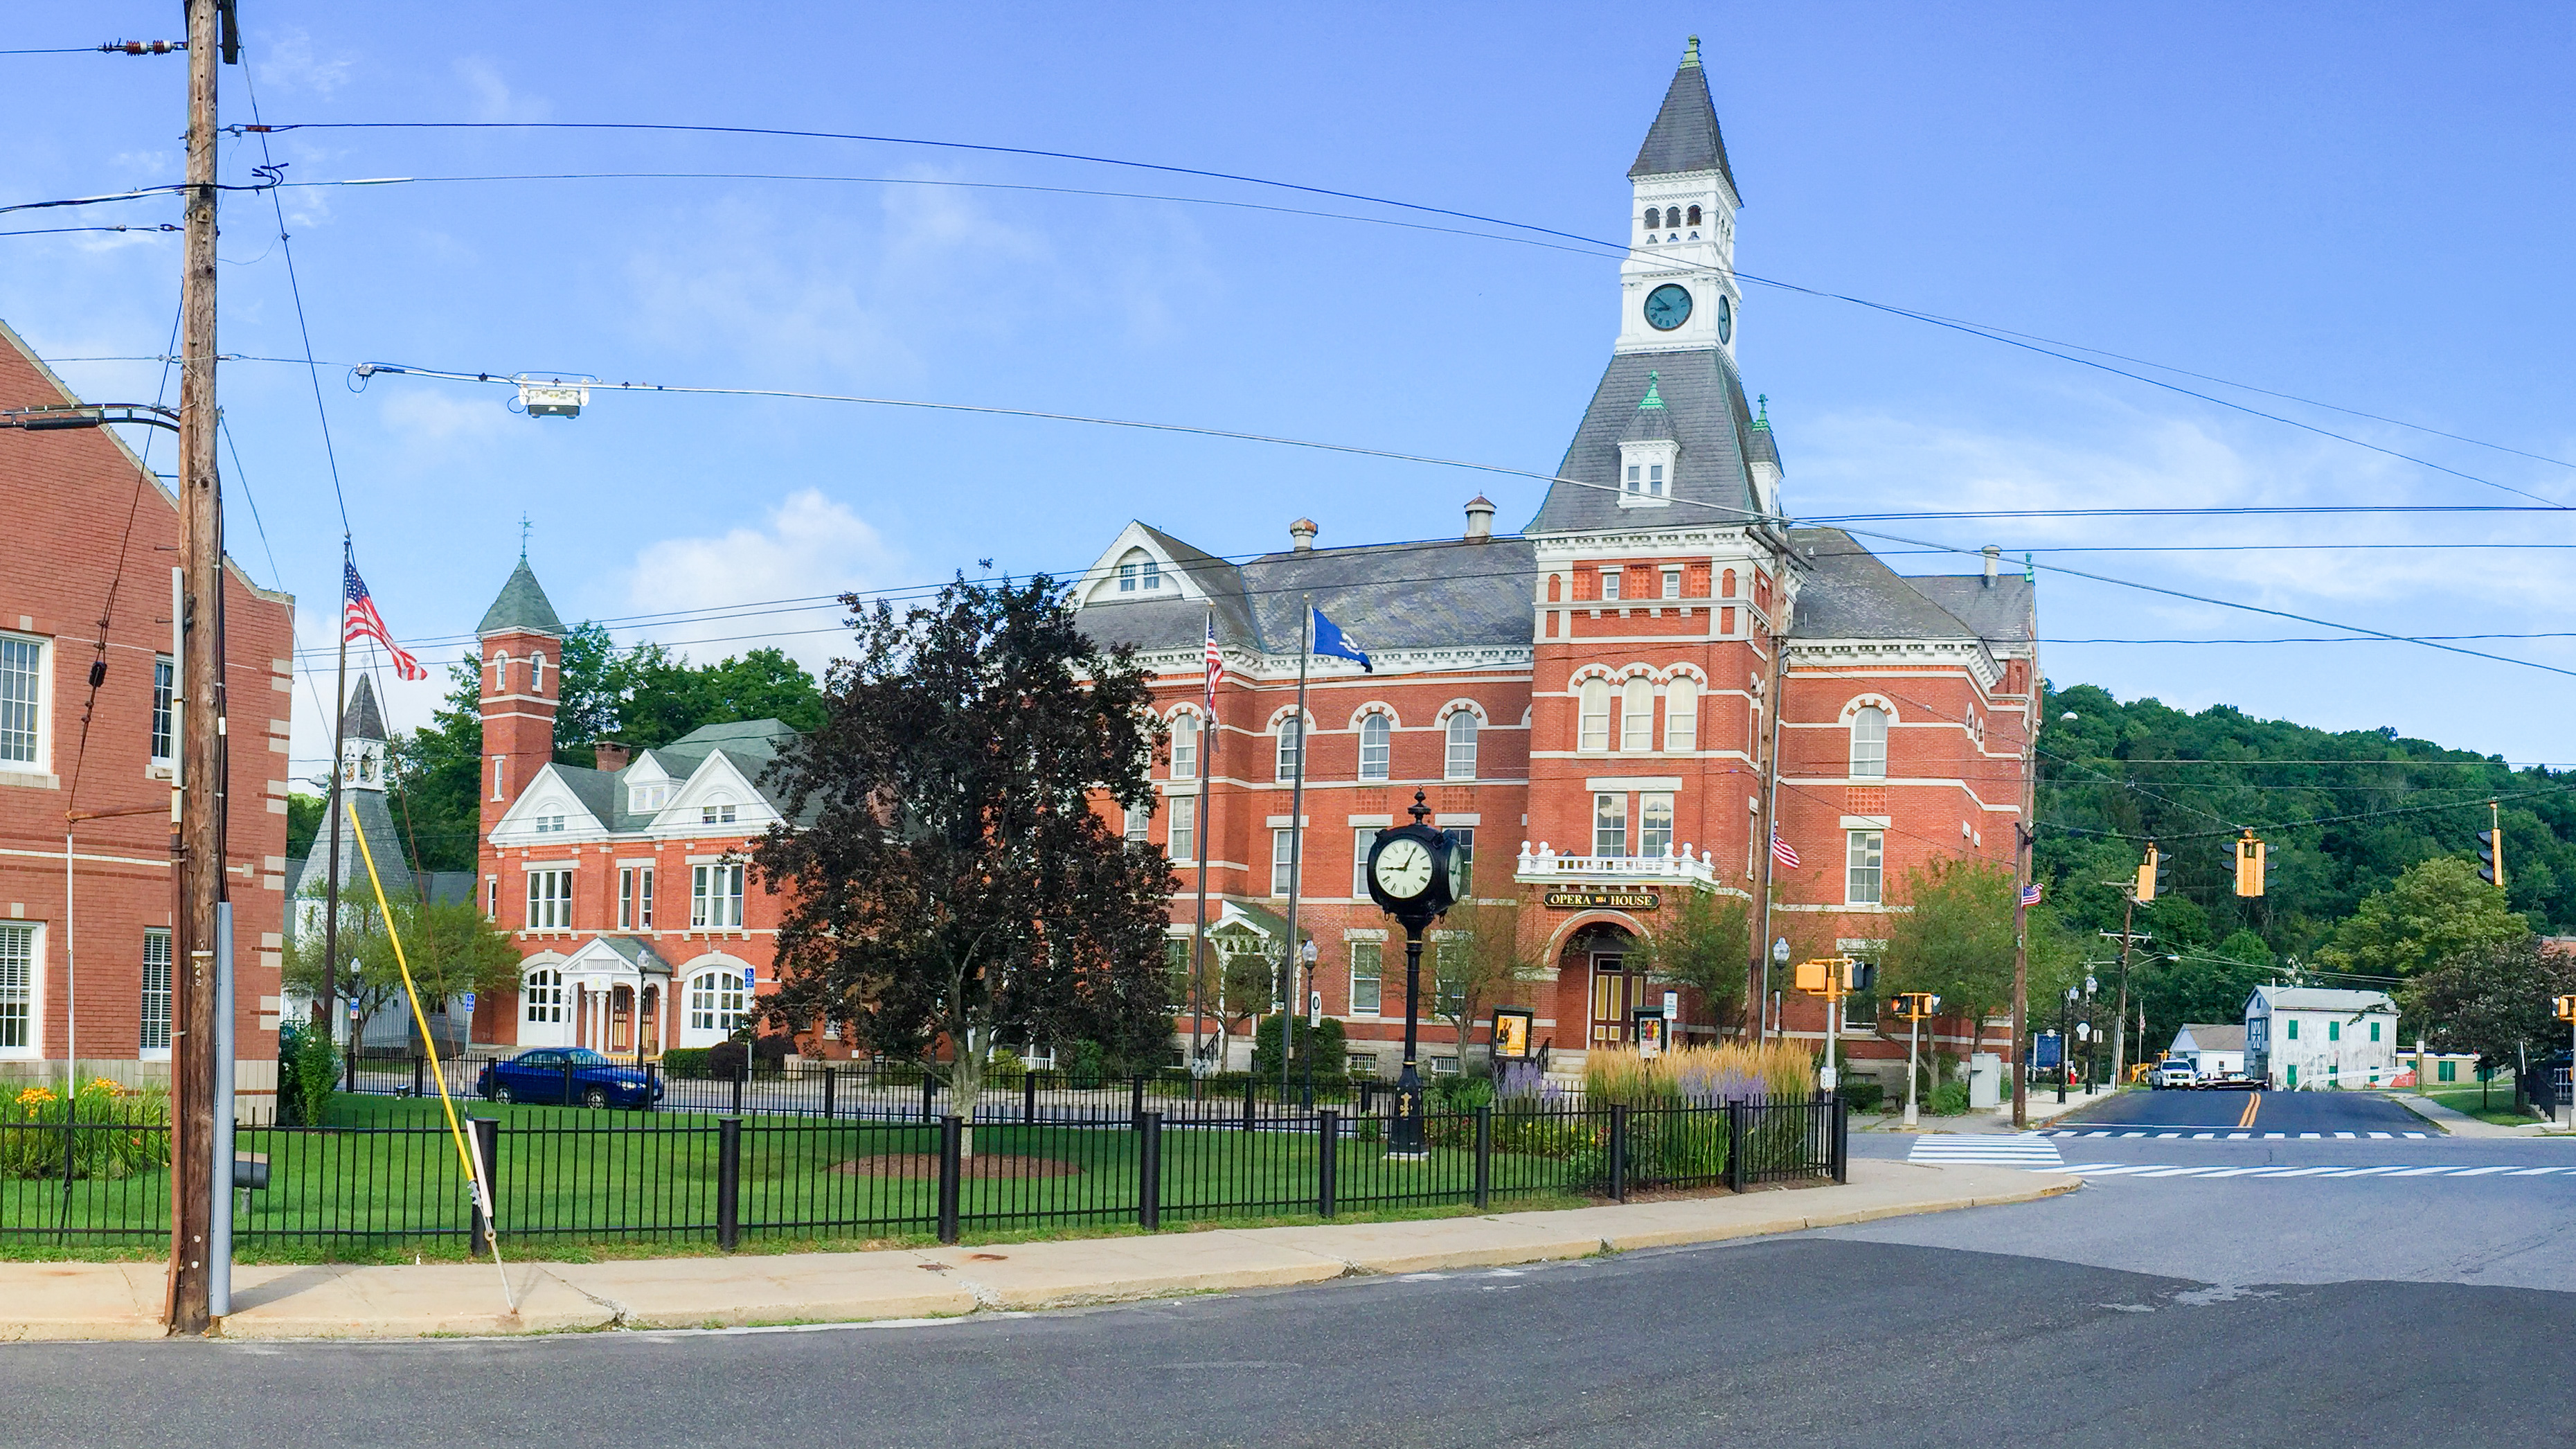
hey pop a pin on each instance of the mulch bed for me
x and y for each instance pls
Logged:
(982, 1164)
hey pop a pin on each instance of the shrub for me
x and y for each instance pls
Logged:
(1004, 1066)
(308, 1070)
(1862, 1094)
(1949, 1099)
(686, 1063)
(1730, 1072)
(768, 1056)
(1088, 1061)
(1325, 1043)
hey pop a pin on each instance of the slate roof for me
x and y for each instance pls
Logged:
(1761, 444)
(751, 745)
(383, 840)
(1384, 596)
(2213, 1038)
(2000, 613)
(1848, 593)
(1704, 400)
(1685, 135)
(637, 952)
(362, 720)
(522, 605)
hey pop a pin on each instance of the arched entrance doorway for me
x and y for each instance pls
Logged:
(1603, 956)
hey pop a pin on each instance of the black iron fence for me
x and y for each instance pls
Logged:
(575, 1175)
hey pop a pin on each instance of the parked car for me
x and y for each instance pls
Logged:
(2175, 1072)
(567, 1075)
(2230, 1082)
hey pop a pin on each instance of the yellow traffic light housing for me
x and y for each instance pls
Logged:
(2249, 865)
(2567, 1008)
(1813, 976)
(2147, 875)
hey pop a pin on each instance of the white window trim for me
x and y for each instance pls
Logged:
(169, 995)
(44, 706)
(34, 1048)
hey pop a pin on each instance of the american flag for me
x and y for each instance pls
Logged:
(361, 621)
(2030, 894)
(1215, 661)
(1783, 852)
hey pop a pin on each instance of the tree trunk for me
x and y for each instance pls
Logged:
(966, 1081)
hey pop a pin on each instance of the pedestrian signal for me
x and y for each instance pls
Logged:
(1811, 976)
(2491, 857)
(1859, 976)
(2249, 866)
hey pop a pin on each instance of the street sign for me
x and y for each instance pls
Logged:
(1601, 900)
(1672, 1006)
(2048, 1050)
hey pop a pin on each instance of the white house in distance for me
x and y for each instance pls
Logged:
(2211, 1050)
(2307, 1038)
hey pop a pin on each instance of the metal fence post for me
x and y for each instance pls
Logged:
(952, 1137)
(1251, 1085)
(929, 1084)
(738, 1080)
(415, 1074)
(1739, 1173)
(1484, 1156)
(1842, 1140)
(831, 1079)
(1328, 1155)
(487, 1148)
(1135, 1095)
(1619, 1151)
(728, 1182)
(352, 1065)
(1029, 1096)
(1149, 1171)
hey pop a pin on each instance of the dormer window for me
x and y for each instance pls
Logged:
(1140, 571)
(640, 798)
(1126, 578)
(1648, 471)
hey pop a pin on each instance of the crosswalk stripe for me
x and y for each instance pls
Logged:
(2167, 1170)
(2218, 1135)
(2017, 1149)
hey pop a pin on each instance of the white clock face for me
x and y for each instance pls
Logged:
(1404, 869)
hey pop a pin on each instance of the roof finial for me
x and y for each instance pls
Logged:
(1690, 54)
(1762, 420)
(525, 527)
(1652, 399)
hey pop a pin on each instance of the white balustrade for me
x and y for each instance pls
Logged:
(1541, 865)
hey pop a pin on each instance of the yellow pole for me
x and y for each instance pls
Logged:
(456, 1130)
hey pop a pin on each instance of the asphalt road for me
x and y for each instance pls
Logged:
(2260, 1111)
(2214, 1311)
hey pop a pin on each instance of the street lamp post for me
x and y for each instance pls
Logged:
(1306, 956)
(2065, 1044)
(1762, 1009)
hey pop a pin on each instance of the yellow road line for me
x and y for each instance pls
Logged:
(2253, 1100)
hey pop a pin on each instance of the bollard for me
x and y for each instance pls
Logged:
(1328, 1153)
(1484, 1156)
(1149, 1171)
(952, 1136)
(728, 1182)
(1619, 1152)
(1842, 1140)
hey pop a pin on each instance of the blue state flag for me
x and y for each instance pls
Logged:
(1329, 640)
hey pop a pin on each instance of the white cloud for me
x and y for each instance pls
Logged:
(808, 544)
(418, 415)
(491, 97)
(288, 64)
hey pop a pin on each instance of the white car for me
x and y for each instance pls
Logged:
(2176, 1072)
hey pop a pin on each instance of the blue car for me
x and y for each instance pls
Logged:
(567, 1075)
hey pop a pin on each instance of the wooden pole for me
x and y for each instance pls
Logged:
(201, 862)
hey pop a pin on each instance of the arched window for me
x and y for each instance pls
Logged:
(541, 996)
(1185, 747)
(716, 1002)
(1593, 732)
(536, 671)
(1681, 716)
(1462, 746)
(1375, 736)
(1869, 743)
(1555, 588)
(1291, 737)
(1694, 216)
(1726, 585)
(1637, 714)
(500, 672)
(1654, 218)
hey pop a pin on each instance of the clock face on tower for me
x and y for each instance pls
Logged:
(1403, 869)
(1725, 320)
(1668, 306)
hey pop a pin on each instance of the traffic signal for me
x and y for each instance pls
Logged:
(2249, 866)
(1858, 976)
(1811, 976)
(1916, 1005)
(2491, 857)
(2567, 1008)
(2153, 875)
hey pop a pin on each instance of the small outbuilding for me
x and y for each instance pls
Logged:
(2212, 1050)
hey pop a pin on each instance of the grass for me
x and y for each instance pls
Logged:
(387, 1185)
(2499, 1109)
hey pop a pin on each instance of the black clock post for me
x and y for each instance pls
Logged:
(1408, 877)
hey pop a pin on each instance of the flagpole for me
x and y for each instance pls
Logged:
(1198, 943)
(1761, 1016)
(1292, 1005)
(326, 1004)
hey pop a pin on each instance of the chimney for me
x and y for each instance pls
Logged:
(612, 755)
(1992, 554)
(1301, 535)
(1480, 519)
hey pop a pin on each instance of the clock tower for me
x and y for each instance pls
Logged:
(1677, 288)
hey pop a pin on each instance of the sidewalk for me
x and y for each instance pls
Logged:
(123, 1300)
(2461, 1124)
(2040, 1109)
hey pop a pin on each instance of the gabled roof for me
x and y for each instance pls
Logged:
(362, 720)
(2210, 1037)
(1704, 403)
(1685, 135)
(383, 841)
(521, 607)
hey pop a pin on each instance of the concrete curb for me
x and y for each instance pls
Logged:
(122, 1300)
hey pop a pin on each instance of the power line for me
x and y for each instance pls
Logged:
(273, 172)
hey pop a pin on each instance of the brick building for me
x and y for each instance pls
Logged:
(85, 878)
(1586, 704)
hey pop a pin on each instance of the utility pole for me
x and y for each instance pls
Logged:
(2120, 1016)
(199, 839)
(1759, 977)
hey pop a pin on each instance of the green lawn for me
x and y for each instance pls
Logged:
(387, 1184)
(2499, 1097)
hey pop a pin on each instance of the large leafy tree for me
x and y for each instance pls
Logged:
(450, 948)
(2437, 910)
(952, 880)
(1476, 963)
(1701, 942)
(1955, 940)
(2494, 999)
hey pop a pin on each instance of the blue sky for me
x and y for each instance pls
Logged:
(2364, 205)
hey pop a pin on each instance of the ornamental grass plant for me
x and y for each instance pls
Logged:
(1699, 1075)
(107, 1130)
